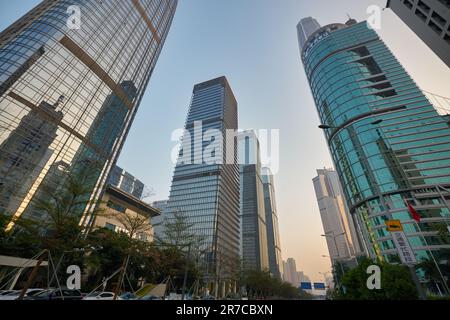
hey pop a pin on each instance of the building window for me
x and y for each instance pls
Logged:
(116, 207)
(445, 3)
(408, 4)
(437, 17)
(435, 27)
(421, 15)
(423, 6)
(110, 226)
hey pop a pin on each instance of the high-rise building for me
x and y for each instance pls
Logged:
(69, 92)
(205, 185)
(305, 28)
(430, 20)
(125, 181)
(158, 221)
(388, 143)
(273, 232)
(253, 216)
(290, 272)
(340, 233)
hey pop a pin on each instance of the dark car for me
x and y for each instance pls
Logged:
(57, 294)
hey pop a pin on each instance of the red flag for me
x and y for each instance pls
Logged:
(414, 213)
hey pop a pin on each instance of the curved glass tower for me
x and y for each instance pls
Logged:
(72, 75)
(388, 143)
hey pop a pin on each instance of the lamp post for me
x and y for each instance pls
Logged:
(334, 236)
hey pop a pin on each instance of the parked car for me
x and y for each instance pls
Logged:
(16, 293)
(150, 297)
(99, 295)
(57, 294)
(5, 295)
(128, 296)
(3, 292)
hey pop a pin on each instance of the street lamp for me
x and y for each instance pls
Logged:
(327, 127)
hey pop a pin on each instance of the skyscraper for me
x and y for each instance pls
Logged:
(430, 20)
(273, 232)
(305, 28)
(290, 272)
(205, 185)
(69, 92)
(253, 214)
(388, 143)
(340, 233)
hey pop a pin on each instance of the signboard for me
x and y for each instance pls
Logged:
(305, 285)
(404, 249)
(394, 225)
(319, 286)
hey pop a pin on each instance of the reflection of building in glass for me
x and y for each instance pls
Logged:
(388, 143)
(208, 193)
(273, 231)
(102, 70)
(25, 152)
(253, 215)
(125, 181)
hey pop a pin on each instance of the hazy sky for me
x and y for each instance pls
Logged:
(254, 44)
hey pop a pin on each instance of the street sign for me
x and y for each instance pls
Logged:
(404, 249)
(319, 286)
(306, 285)
(393, 225)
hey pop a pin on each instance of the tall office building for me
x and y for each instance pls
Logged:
(69, 92)
(290, 272)
(273, 232)
(253, 215)
(388, 143)
(305, 28)
(205, 185)
(340, 233)
(430, 20)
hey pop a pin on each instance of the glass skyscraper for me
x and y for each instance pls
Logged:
(207, 192)
(273, 232)
(388, 143)
(253, 214)
(69, 93)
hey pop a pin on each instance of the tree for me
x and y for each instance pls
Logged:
(396, 283)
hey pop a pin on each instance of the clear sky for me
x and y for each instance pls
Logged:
(254, 44)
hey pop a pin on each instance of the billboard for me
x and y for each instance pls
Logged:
(319, 286)
(305, 285)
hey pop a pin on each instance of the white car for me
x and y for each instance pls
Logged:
(16, 293)
(98, 295)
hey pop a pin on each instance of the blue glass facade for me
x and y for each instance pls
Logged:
(388, 143)
(208, 193)
(68, 96)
